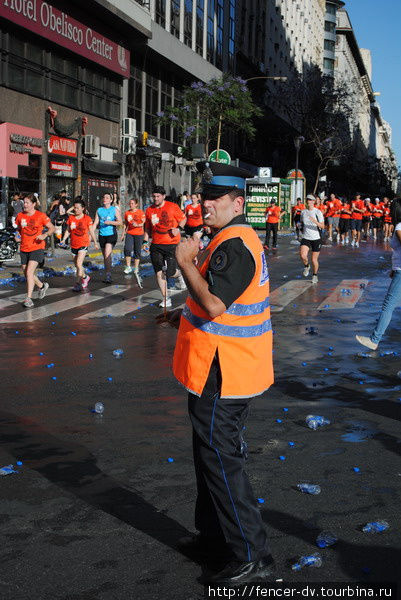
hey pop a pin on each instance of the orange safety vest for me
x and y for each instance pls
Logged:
(242, 335)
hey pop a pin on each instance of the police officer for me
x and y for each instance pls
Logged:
(223, 357)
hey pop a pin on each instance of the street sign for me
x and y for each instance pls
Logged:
(265, 171)
(223, 157)
(258, 196)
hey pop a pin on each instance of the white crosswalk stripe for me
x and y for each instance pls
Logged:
(127, 306)
(17, 300)
(339, 299)
(76, 301)
(283, 295)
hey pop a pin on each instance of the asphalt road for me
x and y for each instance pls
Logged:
(96, 508)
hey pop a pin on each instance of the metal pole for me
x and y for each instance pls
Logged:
(296, 173)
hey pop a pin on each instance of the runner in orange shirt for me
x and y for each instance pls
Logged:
(163, 220)
(366, 218)
(377, 215)
(358, 209)
(273, 215)
(333, 215)
(30, 224)
(388, 224)
(133, 233)
(345, 221)
(80, 229)
(193, 213)
(296, 215)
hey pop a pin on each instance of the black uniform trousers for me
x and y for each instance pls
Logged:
(271, 228)
(226, 509)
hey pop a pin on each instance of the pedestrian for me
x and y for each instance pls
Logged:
(193, 214)
(333, 215)
(133, 233)
(17, 206)
(108, 218)
(344, 224)
(273, 215)
(296, 216)
(312, 223)
(358, 209)
(80, 229)
(163, 222)
(377, 214)
(31, 224)
(223, 357)
(393, 296)
(366, 218)
(387, 221)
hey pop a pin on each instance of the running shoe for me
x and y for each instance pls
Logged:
(166, 303)
(342, 242)
(107, 279)
(366, 341)
(274, 248)
(77, 287)
(43, 290)
(306, 271)
(85, 281)
(138, 278)
(330, 239)
(181, 283)
(315, 279)
(356, 244)
(352, 243)
(28, 303)
(265, 246)
(128, 270)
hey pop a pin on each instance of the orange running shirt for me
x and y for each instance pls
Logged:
(377, 209)
(160, 220)
(297, 209)
(273, 214)
(134, 221)
(358, 204)
(30, 227)
(387, 214)
(79, 230)
(333, 208)
(344, 215)
(194, 215)
(322, 208)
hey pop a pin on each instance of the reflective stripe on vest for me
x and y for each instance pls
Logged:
(226, 330)
(244, 310)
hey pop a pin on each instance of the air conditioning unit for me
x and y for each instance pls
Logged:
(128, 144)
(167, 157)
(91, 145)
(128, 127)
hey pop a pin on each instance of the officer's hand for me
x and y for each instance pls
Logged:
(186, 251)
(172, 318)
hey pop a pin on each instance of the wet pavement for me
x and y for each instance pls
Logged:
(96, 508)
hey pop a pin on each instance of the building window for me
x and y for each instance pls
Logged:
(220, 29)
(328, 64)
(175, 18)
(188, 23)
(161, 12)
(329, 27)
(329, 45)
(330, 9)
(200, 9)
(135, 95)
(231, 37)
(210, 30)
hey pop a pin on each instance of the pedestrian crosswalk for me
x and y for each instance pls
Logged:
(122, 300)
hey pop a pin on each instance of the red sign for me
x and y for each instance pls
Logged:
(49, 22)
(62, 146)
(294, 175)
(60, 167)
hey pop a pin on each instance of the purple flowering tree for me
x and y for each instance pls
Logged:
(206, 110)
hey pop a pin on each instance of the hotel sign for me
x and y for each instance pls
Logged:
(49, 22)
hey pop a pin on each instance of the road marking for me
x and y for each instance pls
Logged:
(127, 306)
(12, 300)
(283, 295)
(337, 299)
(41, 312)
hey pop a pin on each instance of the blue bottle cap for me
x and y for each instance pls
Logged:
(356, 469)
(170, 460)
(285, 409)
(304, 364)
(109, 379)
(54, 378)
(282, 457)
(19, 463)
(261, 500)
(291, 444)
(279, 421)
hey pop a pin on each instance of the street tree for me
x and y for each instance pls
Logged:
(207, 110)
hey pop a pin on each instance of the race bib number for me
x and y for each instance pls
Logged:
(129, 218)
(155, 219)
(190, 212)
(73, 225)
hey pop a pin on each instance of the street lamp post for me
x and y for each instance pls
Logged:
(298, 141)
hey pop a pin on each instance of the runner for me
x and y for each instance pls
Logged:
(79, 228)
(312, 222)
(107, 218)
(333, 215)
(296, 216)
(30, 224)
(163, 220)
(273, 215)
(345, 222)
(366, 218)
(193, 213)
(358, 209)
(388, 226)
(393, 296)
(133, 233)
(377, 214)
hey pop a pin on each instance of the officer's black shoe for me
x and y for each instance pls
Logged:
(203, 547)
(237, 573)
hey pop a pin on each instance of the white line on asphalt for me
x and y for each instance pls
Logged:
(338, 299)
(15, 300)
(283, 295)
(127, 306)
(41, 312)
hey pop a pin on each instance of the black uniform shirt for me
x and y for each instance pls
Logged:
(231, 268)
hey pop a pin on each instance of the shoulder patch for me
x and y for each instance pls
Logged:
(264, 276)
(219, 260)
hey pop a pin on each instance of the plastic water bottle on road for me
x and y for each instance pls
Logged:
(315, 421)
(99, 408)
(325, 539)
(310, 560)
(309, 488)
(7, 470)
(375, 527)
(118, 353)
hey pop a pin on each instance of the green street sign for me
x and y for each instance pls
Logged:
(223, 157)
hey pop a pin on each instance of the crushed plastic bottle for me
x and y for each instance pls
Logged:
(310, 560)
(7, 470)
(99, 408)
(312, 330)
(309, 488)
(375, 527)
(325, 539)
(118, 353)
(315, 421)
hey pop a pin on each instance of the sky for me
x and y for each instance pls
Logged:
(377, 26)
